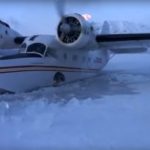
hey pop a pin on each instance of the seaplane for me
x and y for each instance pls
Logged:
(77, 51)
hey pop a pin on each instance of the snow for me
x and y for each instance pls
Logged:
(127, 27)
(110, 111)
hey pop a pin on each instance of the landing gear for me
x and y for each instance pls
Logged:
(58, 78)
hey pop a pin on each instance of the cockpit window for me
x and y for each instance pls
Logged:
(38, 48)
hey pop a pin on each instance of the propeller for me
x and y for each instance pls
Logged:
(60, 7)
(69, 27)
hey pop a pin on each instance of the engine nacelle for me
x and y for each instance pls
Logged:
(74, 31)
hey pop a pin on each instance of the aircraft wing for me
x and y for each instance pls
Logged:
(125, 43)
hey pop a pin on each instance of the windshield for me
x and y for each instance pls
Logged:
(37, 48)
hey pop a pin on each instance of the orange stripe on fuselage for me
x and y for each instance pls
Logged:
(12, 69)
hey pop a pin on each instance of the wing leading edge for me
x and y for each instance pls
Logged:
(125, 43)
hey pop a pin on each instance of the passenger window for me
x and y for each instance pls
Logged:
(65, 56)
(6, 32)
(75, 58)
(89, 59)
(83, 59)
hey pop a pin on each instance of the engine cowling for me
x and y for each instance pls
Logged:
(74, 31)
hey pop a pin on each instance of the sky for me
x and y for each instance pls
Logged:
(41, 17)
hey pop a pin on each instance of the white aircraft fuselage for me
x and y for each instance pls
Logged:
(45, 60)
(76, 52)
(29, 70)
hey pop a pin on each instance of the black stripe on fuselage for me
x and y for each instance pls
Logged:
(122, 37)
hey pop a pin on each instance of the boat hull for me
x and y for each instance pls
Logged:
(25, 78)
(27, 74)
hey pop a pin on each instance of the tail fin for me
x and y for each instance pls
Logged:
(105, 28)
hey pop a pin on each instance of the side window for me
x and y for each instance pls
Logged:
(74, 57)
(83, 58)
(89, 59)
(65, 56)
(6, 32)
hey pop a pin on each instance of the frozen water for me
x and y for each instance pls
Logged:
(109, 111)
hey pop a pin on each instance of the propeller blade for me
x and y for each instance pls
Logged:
(60, 7)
